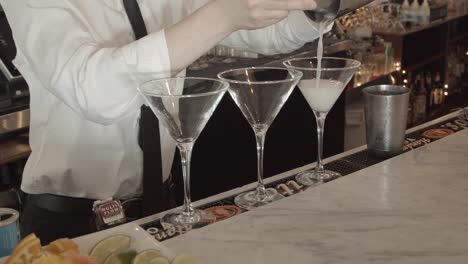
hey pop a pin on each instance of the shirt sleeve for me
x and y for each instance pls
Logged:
(97, 80)
(286, 36)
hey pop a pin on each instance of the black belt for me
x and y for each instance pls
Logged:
(61, 204)
(64, 204)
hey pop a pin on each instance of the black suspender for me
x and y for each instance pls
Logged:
(135, 17)
(153, 193)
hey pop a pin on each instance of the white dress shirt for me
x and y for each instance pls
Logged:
(82, 65)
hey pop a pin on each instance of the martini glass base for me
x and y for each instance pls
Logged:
(198, 219)
(312, 177)
(249, 200)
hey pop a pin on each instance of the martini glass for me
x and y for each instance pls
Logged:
(183, 106)
(321, 87)
(260, 93)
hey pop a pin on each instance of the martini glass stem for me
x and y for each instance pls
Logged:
(260, 139)
(320, 118)
(186, 156)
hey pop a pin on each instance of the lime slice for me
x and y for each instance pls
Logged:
(150, 256)
(185, 259)
(113, 259)
(108, 246)
(121, 258)
(158, 260)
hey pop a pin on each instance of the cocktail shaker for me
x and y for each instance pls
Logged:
(386, 110)
(328, 10)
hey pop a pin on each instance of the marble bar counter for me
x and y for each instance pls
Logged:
(409, 209)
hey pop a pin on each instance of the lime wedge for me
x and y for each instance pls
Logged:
(158, 260)
(185, 259)
(121, 258)
(108, 246)
(150, 256)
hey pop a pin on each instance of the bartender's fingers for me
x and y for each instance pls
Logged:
(274, 15)
(253, 14)
(267, 19)
(291, 4)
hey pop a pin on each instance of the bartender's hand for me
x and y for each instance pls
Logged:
(202, 30)
(253, 14)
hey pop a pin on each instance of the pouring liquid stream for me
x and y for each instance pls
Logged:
(321, 30)
(319, 54)
(323, 16)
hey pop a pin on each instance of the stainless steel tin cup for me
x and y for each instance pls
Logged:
(9, 231)
(386, 110)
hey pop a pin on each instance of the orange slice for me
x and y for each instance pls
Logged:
(61, 246)
(27, 251)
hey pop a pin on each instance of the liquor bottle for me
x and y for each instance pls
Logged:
(462, 65)
(423, 91)
(462, 58)
(425, 13)
(429, 87)
(409, 84)
(414, 12)
(458, 70)
(452, 71)
(465, 74)
(414, 89)
(465, 55)
(420, 101)
(438, 91)
(405, 11)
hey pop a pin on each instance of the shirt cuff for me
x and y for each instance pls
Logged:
(149, 54)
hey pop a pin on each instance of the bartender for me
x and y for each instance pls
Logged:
(82, 64)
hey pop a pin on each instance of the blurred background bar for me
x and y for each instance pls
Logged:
(422, 45)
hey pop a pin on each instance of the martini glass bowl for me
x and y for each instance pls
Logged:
(260, 93)
(183, 106)
(321, 87)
